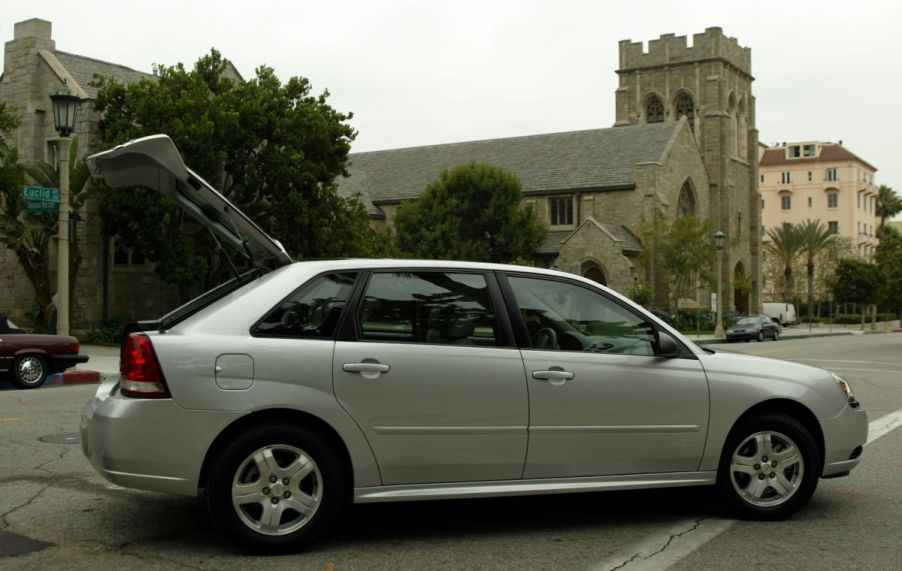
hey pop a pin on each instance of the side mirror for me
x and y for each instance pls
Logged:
(667, 346)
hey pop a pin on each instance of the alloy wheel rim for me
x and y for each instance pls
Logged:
(30, 370)
(766, 469)
(277, 490)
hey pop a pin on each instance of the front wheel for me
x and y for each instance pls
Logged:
(776, 335)
(760, 336)
(769, 468)
(276, 488)
(29, 371)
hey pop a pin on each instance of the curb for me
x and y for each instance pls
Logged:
(77, 377)
(782, 338)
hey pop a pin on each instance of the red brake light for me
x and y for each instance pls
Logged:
(74, 347)
(140, 373)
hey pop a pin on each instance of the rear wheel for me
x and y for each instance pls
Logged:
(29, 371)
(276, 488)
(776, 334)
(769, 468)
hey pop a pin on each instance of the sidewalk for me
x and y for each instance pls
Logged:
(104, 360)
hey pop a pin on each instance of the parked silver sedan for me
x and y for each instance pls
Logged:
(298, 387)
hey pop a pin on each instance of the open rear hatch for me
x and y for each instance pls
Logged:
(154, 162)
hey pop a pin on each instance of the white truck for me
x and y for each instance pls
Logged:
(784, 313)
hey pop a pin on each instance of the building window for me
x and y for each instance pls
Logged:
(786, 177)
(561, 210)
(831, 175)
(832, 200)
(762, 178)
(785, 202)
(684, 106)
(762, 204)
(859, 228)
(833, 226)
(654, 109)
(795, 152)
(810, 176)
(810, 202)
(808, 151)
(686, 201)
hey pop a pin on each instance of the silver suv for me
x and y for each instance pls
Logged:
(297, 387)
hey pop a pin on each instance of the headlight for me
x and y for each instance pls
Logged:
(845, 387)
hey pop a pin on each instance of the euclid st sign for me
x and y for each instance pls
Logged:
(40, 199)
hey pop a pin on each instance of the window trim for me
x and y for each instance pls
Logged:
(350, 329)
(521, 332)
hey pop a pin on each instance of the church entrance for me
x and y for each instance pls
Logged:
(595, 274)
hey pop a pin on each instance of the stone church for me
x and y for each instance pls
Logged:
(684, 142)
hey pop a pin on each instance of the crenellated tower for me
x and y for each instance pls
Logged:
(710, 83)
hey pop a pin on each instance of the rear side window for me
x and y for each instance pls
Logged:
(428, 307)
(311, 312)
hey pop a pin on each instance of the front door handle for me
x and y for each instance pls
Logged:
(555, 376)
(368, 368)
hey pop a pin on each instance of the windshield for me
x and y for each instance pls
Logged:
(747, 321)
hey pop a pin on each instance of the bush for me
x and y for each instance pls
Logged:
(107, 333)
(810, 319)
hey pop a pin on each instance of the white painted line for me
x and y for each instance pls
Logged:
(864, 370)
(661, 550)
(883, 425)
(846, 361)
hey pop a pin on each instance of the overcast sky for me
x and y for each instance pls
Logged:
(423, 72)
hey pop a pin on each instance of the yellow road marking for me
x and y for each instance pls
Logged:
(10, 418)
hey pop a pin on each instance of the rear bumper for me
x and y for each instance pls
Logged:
(150, 444)
(844, 436)
(59, 363)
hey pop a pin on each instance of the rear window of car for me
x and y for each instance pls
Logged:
(428, 307)
(313, 311)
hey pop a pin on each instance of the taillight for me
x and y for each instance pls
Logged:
(140, 373)
(74, 347)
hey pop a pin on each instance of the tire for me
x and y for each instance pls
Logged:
(29, 371)
(307, 506)
(784, 488)
(776, 336)
(760, 337)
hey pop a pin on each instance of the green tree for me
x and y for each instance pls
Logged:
(274, 149)
(888, 258)
(815, 238)
(858, 282)
(785, 244)
(683, 249)
(888, 205)
(473, 212)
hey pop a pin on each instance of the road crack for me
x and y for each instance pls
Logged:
(695, 525)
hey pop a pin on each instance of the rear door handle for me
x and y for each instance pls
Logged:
(555, 376)
(368, 369)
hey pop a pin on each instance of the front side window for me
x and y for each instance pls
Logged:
(428, 307)
(313, 311)
(562, 316)
(561, 210)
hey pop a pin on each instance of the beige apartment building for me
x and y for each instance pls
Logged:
(818, 180)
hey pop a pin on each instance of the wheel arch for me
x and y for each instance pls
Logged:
(276, 416)
(790, 408)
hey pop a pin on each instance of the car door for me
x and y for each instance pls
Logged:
(430, 373)
(601, 401)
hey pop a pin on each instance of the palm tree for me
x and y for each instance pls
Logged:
(815, 238)
(888, 204)
(785, 244)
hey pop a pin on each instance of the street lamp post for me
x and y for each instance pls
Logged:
(718, 245)
(65, 108)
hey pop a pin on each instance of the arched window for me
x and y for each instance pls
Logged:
(683, 105)
(654, 109)
(686, 201)
(742, 135)
(733, 137)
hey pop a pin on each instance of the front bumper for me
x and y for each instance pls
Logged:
(741, 336)
(844, 436)
(149, 444)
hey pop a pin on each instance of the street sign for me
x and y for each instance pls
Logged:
(37, 193)
(42, 206)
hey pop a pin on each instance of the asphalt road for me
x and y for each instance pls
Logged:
(55, 513)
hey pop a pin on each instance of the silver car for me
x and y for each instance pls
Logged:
(298, 387)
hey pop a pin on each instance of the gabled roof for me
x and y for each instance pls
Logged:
(830, 152)
(630, 244)
(596, 159)
(82, 70)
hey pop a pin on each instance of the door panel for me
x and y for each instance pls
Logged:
(441, 413)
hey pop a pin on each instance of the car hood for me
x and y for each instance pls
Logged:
(154, 162)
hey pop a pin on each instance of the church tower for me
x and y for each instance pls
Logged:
(710, 83)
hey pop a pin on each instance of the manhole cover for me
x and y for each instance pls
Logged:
(61, 438)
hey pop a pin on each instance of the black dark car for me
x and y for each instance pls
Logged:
(758, 327)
